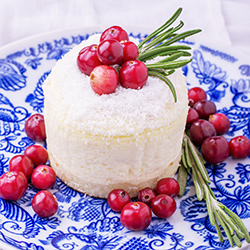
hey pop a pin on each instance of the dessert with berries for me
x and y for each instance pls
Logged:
(115, 111)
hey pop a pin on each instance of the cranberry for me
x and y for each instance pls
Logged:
(200, 130)
(133, 74)
(221, 123)
(168, 186)
(35, 128)
(130, 51)
(205, 108)
(136, 216)
(43, 177)
(191, 117)
(37, 154)
(117, 199)
(239, 147)
(114, 32)
(104, 79)
(44, 203)
(163, 206)
(21, 163)
(13, 185)
(196, 94)
(87, 59)
(146, 195)
(215, 149)
(110, 52)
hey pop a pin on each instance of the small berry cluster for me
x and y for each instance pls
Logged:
(31, 167)
(114, 49)
(206, 128)
(137, 215)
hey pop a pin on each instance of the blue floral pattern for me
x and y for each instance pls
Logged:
(84, 222)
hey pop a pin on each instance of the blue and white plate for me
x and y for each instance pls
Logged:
(83, 222)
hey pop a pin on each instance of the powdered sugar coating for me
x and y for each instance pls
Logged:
(122, 113)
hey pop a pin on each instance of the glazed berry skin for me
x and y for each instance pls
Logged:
(205, 108)
(37, 154)
(133, 74)
(114, 32)
(104, 79)
(110, 52)
(196, 94)
(163, 206)
(87, 59)
(130, 51)
(117, 199)
(221, 123)
(44, 204)
(13, 185)
(146, 195)
(215, 149)
(136, 216)
(43, 177)
(35, 128)
(168, 186)
(200, 130)
(239, 147)
(21, 163)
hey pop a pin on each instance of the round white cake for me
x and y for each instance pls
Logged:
(128, 139)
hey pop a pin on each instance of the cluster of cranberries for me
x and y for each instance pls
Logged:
(99, 62)
(206, 127)
(137, 215)
(30, 166)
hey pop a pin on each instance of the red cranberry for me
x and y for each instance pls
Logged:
(168, 186)
(110, 52)
(163, 206)
(35, 128)
(21, 163)
(215, 149)
(114, 32)
(44, 204)
(104, 79)
(133, 74)
(87, 59)
(196, 94)
(239, 147)
(191, 117)
(130, 51)
(221, 123)
(117, 199)
(205, 108)
(146, 195)
(13, 185)
(37, 154)
(136, 216)
(200, 130)
(43, 177)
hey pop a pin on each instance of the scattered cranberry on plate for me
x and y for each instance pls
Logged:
(239, 147)
(146, 195)
(37, 154)
(136, 216)
(43, 177)
(13, 185)
(117, 199)
(21, 163)
(44, 203)
(163, 206)
(35, 128)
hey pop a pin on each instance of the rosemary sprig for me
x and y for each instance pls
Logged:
(218, 213)
(159, 43)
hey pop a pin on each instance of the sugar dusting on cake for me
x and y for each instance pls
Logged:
(122, 113)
